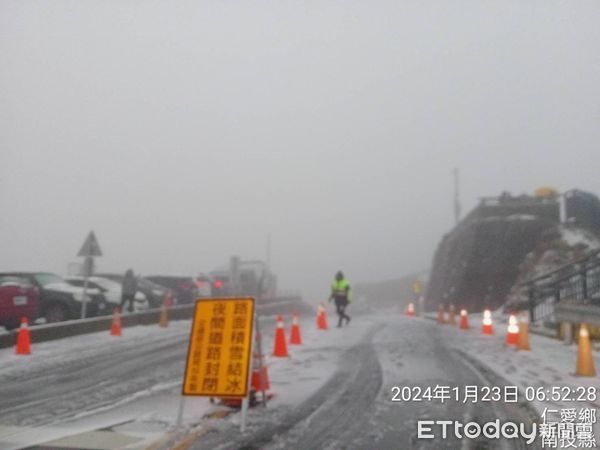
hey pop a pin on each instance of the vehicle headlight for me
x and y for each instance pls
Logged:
(78, 296)
(156, 291)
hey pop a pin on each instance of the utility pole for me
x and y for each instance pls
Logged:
(268, 251)
(456, 195)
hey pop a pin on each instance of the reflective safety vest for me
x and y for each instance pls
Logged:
(341, 288)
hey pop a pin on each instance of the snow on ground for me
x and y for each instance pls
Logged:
(578, 236)
(550, 363)
(63, 351)
(148, 414)
(311, 364)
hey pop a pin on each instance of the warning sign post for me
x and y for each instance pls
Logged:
(220, 350)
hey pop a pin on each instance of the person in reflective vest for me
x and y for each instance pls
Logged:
(340, 293)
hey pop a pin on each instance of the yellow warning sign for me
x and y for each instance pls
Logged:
(416, 286)
(218, 360)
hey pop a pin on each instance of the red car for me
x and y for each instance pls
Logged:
(18, 299)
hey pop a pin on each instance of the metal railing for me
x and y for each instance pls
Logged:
(574, 283)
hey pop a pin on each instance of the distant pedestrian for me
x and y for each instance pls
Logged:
(340, 293)
(128, 290)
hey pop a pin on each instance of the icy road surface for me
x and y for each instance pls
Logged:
(353, 409)
(335, 390)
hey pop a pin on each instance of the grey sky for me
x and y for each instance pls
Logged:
(184, 132)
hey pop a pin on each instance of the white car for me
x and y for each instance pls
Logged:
(111, 291)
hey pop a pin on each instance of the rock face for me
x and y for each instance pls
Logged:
(477, 263)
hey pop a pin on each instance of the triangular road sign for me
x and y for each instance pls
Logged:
(90, 247)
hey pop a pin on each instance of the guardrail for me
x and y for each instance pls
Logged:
(577, 283)
(59, 330)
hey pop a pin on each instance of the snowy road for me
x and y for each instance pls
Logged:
(48, 394)
(334, 392)
(353, 410)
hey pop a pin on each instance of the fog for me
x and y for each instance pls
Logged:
(184, 132)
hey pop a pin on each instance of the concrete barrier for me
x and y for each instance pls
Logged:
(59, 330)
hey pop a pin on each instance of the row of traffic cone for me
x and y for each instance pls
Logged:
(517, 335)
(280, 346)
(163, 322)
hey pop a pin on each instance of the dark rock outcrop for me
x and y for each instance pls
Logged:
(476, 264)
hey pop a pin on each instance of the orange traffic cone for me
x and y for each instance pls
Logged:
(260, 377)
(115, 329)
(168, 300)
(464, 319)
(258, 380)
(280, 348)
(23, 339)
(487, 327)
(452, 315)
(585, 360)
(321, 317)
(441, 319)
(523, 340)
(512, 332)
(295, 338)
(410, 309)
(164, 316)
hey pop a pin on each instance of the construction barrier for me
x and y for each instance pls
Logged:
(115, 329)
(295, 336)
(585, 358)
(164, 316)
(464, 319)
(486, 326)
(523, 340)
(23, 339)
(512, 332)
(280, 346)
(321, 317)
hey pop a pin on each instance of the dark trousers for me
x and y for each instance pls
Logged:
(340, 304)
(127, 298)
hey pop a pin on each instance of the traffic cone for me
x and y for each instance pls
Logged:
(512, 332)
(295, 338)
(410, 309)
(487, 327)
(164, 317)
(260, 378)
(464, 319)
(168, 300)
(23, 339)
(441, 319)
(257, 379)
(115, 329)
(280, 348)
(585, 360)
(321, 317)
(452, 315)
(523, 340)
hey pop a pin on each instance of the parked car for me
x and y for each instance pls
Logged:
(111, 290)
(204, 285)
(18, 299)
(58, 300)
(183, 289)
(221, 286)
(155, 293)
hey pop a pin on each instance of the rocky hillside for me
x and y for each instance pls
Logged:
(501, 242)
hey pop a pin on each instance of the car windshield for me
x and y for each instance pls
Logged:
(45, 279)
